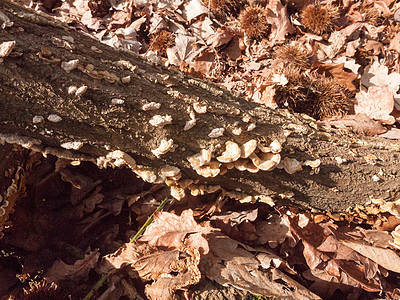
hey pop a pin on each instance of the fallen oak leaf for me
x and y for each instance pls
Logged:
(231, 263)
(338, 72)
(360, 124)
(377, 103)
(173, 232)
(79, 270)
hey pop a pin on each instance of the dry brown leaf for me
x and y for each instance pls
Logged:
(384, 257)
(204, 62)
(193, 8)
(279, 19)
(237, 217)
(173, 232)
(337, 71)
(221, 37)
(359, 124)
(79, 270)
(377, 103)
(393, 133)
(203, 28)
(230, 264)
(183, 50)
(188, 274)
(377, 74)
(274, 231)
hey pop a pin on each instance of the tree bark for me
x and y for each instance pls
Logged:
(33, 83)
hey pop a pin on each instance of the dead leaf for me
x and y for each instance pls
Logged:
(193, 9)
(279, 19)
(377, 103)
(79, 270)
(173, 232)
(274, 231)
(360, 124)
(377, 74)
(183, 50)
(203, 28)
(188, 274)
(393, 133)
(237, 217)
(221, 37)
(337, 71)
(384, 257)
(229, 263)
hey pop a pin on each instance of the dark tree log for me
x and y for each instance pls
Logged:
(33, 83)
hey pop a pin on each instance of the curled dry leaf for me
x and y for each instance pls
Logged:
(337, 71)
(231, 263)
(168, 270)
(79, 270)
(173, 232)
(377, 103)
(377, 74)
(360, 124)
(384, 257)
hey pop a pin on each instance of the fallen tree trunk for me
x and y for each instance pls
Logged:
(65, 93)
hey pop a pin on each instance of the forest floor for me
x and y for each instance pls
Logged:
(77, 228)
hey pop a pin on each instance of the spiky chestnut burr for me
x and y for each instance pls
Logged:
(293, 54)
(161, 41)
(318, 18)
(330, 98)
(224, 7)
(253, 21)
(313, 94)
(293, 94)
(41, 290)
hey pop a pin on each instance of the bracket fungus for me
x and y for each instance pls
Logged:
(164, 147)
(211, 169)
(248, 148)
(169, 171)
(265, 161)
(200, 159)
(160, 121)
(231, 153)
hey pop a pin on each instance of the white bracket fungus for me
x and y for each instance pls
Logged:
(151, 106)
(211, 169)
(37, 119)
(6, 48)
(68, 66)
(200, 109)
(72, 145)
(231, 153)
(116, 158)
(248, 148)
(200, 159)
(54, 118)
(266, 161)
(168, 171)
(117, 101)
(189, 124)
(160, 121)
(216, 132)
(164, 147)
(291, 165)
(72, 89)
(81, 90)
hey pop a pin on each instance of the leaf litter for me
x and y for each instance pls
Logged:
(79, 233)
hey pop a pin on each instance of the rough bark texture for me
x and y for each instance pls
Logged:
(32, 83)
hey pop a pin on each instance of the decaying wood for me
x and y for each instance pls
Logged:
(96, 104)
